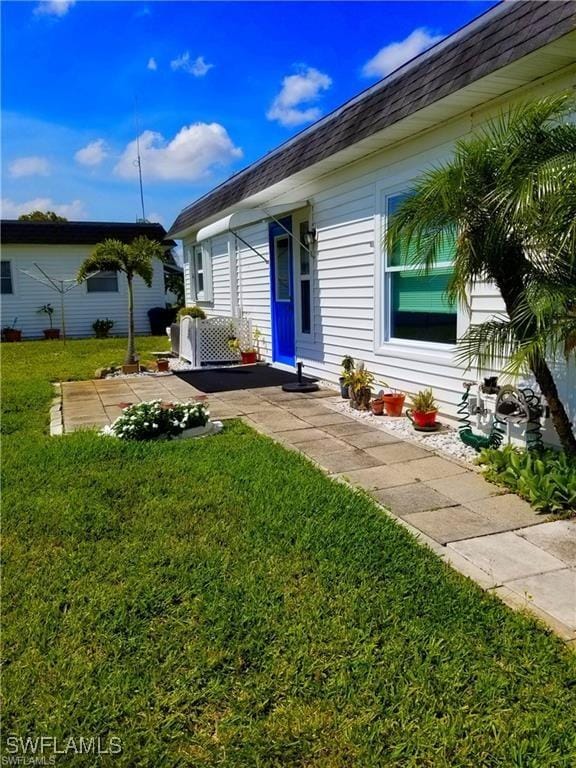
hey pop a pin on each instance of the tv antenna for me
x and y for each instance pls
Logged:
(138, 161)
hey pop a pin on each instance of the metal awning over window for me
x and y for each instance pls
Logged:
(243, 218)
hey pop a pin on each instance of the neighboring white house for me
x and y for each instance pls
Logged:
(294, 241)
(58, 249)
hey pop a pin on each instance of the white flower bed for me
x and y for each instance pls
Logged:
(155, 420)
(447, 441)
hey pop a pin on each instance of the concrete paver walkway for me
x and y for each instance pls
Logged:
(491, 536)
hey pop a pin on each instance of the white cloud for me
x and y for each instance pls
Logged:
(93, 153)
(198, 67)
(190, 155)
(394, 55)
(53, 7)
(298, 90)
(29, 166)
(12, 210)
(152, 64)
(155, 218)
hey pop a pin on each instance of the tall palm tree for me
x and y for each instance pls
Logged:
(134, 260)
(508, 197)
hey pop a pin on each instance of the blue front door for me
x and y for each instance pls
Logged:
(282, 293)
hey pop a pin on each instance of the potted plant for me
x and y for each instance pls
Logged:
(196, 312)
(10, 333)
(393, 402)
(347, 368)
(248, 355)
(423, 410)
(102, 328)
(49, 333)
(162, 365)
(359, 382)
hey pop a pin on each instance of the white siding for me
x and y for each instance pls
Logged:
(81, 308)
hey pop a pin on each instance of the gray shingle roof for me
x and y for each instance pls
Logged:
(78, 232)
(492, 42)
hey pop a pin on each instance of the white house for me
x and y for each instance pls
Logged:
(294, 241)
(33, 249)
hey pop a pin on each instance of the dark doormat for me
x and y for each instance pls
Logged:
(241, 377)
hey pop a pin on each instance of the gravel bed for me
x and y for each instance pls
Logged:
(447, 441)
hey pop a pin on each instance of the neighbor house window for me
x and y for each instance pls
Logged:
(6, 275)
(200, 272)
(305, 278)
(103, 282)
(418, 308)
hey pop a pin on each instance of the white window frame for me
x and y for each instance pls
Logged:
(205, 295)
(299, 278)
(384, 342)
(12, 292)
(103, 273)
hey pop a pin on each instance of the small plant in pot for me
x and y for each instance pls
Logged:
(393, 402)
(423, 410)
(248, 354)
(359, 383)
(347, 368)
(102, 328)
(377, 404)
(10, 333)
(49, 333)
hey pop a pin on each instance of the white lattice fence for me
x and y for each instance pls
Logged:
(206, 341)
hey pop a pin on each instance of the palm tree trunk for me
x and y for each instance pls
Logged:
(511, 289)
(131, 351)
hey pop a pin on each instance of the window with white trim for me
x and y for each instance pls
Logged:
(417, 308)
(6, 283)
(200, 277)
(103, 282)
(305, 280)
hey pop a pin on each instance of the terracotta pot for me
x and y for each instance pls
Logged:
(377, 406)
(11, 334)
(394, 403)
(249, 358)
(162, 365)
(344, 389)
(51, 333)
(422, 418)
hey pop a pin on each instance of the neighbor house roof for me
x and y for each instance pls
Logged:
(501, 36)
(78, 232)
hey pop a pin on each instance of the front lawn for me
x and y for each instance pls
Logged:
(222, 603)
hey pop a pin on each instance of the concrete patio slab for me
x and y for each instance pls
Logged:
(345, 461)
(378, 477)
(406, 500)
(432, 468)
(553, 592)
(296, 436)
(329, 417)
(464, 488)
(370, 438)
(453, 524)
(558, 538)
(323, 447)
(507, 556)
(398, 451)
(351, 427)
(508, 508)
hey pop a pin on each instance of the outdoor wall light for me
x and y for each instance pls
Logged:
(310, 238)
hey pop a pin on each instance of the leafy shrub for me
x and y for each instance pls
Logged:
(155, 419)
(192, 312)
(102, 328)
(547, 479)
(423, 401)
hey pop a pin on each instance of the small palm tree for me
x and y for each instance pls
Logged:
(134, 259)
(508, 196)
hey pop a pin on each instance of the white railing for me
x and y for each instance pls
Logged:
(205, 342)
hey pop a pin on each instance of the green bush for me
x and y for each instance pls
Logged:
(192, 312)
(547, 479)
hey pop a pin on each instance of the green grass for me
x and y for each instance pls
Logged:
(221, 603)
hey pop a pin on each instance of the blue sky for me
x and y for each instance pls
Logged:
(218, 84)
